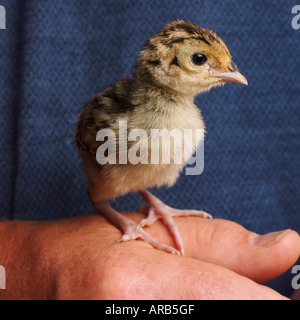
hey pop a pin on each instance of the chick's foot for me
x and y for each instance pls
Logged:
(129, 228)
(156, 209)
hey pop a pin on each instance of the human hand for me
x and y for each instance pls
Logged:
(80, 258)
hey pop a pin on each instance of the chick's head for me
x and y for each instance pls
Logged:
(187, 59)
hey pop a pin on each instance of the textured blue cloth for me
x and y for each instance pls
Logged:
(55, 55)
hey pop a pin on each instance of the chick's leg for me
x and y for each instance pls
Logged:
(158, 210)
(129, 228)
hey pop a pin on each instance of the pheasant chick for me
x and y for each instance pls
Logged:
(179, 62)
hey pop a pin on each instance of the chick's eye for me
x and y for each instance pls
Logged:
(199, 59)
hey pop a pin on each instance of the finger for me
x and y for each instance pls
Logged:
(230, 245)
(156, 275)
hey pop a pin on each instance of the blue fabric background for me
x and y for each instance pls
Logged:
(55, 55)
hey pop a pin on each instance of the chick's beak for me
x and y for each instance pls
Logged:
(233, 75)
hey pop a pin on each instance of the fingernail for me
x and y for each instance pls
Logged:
(268, 239)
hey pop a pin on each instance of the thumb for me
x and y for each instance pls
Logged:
(228, 244)
(260, 258)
